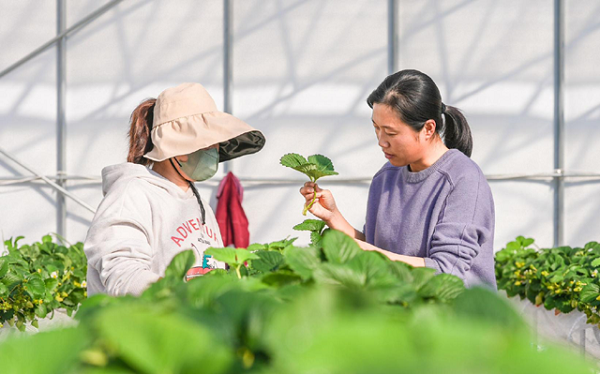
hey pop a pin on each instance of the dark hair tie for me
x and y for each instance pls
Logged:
(443, 108)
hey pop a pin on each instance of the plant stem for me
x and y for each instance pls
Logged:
(237, 270)
(306, 208)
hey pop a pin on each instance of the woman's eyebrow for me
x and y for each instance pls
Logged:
(383, 127)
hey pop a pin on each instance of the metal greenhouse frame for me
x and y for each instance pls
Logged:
(59, 181)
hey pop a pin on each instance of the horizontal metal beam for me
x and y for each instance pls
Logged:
(53, 177)
(490, 177)
(48, 181)
(100, 11)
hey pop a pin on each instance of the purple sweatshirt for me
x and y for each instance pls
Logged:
(444, 213)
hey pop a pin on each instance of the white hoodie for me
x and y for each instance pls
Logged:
(143, 221)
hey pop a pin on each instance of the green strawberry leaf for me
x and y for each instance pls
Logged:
(323, 163)
(36, 285)
(268, 261)
(339, 248)
(3, 267)
(310, 225)
(226, 255)
(589, 293)
(302, 260)
(180, 264)
(243, 255)
(293, 160)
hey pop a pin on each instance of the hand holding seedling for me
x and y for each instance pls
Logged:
(323, 206)
(315, 167)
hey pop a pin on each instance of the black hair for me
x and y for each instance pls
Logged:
(416, 99)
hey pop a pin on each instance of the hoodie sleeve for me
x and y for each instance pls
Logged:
(118, 249)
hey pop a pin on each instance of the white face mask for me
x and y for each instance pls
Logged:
(201, 165)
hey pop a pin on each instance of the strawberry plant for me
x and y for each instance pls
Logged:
(36, 279)
(283, 308)
(337, 259)
(332, 308)
(279, 245)
(317, 166)
(562, 278)
(316, 227)
(235, 258)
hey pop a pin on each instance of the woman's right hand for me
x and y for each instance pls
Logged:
(324, 206)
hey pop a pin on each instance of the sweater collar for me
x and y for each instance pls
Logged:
(416, 177)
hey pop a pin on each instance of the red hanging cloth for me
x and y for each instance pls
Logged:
(230, 214)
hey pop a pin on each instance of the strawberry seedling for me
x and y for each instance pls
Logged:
(317, 166)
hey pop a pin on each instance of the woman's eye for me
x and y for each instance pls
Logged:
(389, 134)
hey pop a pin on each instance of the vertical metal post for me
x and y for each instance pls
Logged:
(61, 207)
(227, 62)
(392, 36)
(559, 120)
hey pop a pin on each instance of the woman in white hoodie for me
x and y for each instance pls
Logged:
(151, 209)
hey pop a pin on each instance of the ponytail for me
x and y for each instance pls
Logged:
(456, 132)
(416, 99)
(140, 141)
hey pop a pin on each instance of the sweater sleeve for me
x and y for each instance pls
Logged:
(465, 223)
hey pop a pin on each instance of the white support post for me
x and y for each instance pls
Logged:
(227, 63)
(559, 121)
(392, 36)
(61, 47)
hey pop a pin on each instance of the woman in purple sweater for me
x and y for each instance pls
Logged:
(430, 204)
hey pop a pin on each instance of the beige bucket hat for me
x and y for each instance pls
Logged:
(186, 119)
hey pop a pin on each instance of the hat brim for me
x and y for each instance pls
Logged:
(188, 134)
(245, 144)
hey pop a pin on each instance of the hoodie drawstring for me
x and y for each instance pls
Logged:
(195, 191)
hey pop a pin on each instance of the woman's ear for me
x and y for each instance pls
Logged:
(428, 130)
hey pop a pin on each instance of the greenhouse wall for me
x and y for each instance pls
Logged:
(300, 72)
